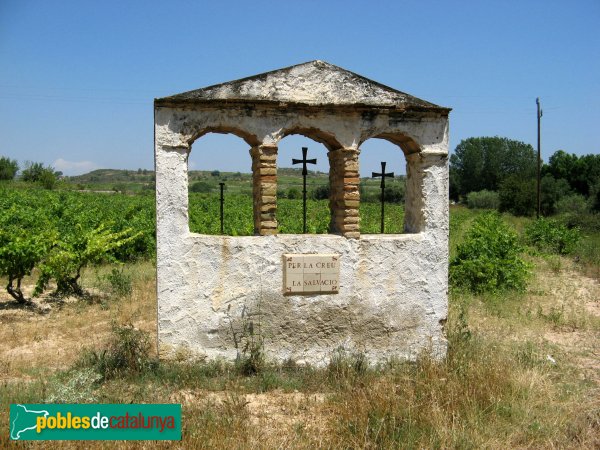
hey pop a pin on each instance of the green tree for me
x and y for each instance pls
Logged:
(581, 172)
(484, 162)
(518, 196)
(38, 173)
(8, 168)
(552, 190)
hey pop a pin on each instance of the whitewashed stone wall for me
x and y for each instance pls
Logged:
(392, 300)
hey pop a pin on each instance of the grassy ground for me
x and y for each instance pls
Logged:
(523, 371)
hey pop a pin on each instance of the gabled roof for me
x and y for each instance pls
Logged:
(315, 83)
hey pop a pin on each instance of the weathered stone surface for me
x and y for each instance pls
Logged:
(392, 297)
(268, 190)
(268, 171)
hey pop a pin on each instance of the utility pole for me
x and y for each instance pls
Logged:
(539, 157)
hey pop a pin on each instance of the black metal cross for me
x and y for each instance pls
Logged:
(304, 162)
(222, 185)
(383, 175)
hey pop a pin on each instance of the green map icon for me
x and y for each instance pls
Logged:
(23, 419)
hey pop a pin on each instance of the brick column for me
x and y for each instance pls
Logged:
(344, 198)
(264, 188)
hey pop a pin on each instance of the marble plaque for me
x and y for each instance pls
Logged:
(311, 274)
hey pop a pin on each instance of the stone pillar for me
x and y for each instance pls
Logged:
(344, 197)
(264, 188)
(426, 206)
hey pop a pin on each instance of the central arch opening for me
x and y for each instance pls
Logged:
(290, 186)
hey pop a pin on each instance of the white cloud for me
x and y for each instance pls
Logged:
(74, 167)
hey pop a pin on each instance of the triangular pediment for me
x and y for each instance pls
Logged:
(315, 83)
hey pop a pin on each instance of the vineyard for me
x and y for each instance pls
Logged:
(61, 232)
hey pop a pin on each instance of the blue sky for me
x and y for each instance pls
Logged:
(78, 78)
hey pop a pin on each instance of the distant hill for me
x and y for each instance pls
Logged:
(145, 175)
(113, 176)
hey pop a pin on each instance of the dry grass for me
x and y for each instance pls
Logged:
(522, 372)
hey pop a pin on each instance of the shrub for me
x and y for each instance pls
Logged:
(552, 191)
(483, 200)
(76, 386)
(321, 192)
(550, 236)
(119, 282)
(518, 196)
(489, 258)
(573, 204)
(589, 223)
(201, 186)
(394, 193)
(128, 351)
(294, 193)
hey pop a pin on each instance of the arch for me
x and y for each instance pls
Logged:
(370, 191)
(321, 220)
(323, 137)
(250, 138)
(407, 144)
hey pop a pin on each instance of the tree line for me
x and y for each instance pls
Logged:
(500, 173)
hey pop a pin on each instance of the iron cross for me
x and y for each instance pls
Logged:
(383, 176)
(304, 162)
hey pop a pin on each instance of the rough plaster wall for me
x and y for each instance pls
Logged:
(393, 288)
(391, 302)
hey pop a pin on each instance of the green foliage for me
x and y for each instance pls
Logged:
(48, 179)
(483, 200)
(127, 352)
(73, 252)
(294, 193)
(552, 190)
(36, 172)
(489, 259)
(571, 204)
(518, 196)
(120, 283)
(24, 241)
(321, 192)
(74, 386)
(394, 192)
(581, 172)
(595, 196)
(201, 186)
(550, 236)
(8, 168)
(484, 162)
